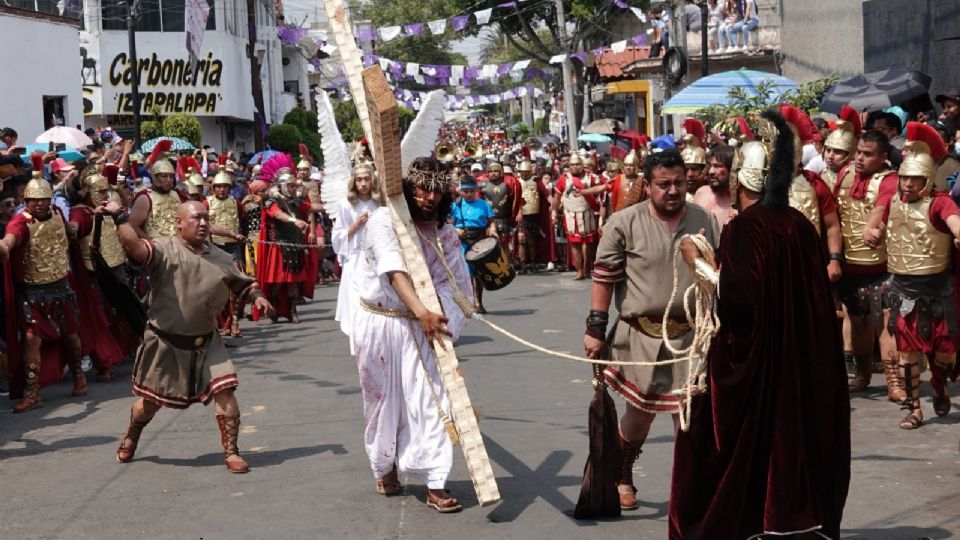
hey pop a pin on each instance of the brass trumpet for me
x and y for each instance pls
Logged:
(474, 150)
(444, 151)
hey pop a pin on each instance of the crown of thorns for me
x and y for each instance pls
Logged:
(429, 180)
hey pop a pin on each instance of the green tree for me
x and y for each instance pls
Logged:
(150, 129)
(426, 48)
(284, 137)
(348, 122)
(184, 126)
(306, 123)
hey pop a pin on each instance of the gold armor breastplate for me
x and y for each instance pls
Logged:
(313, 191)
(163, 213)
(803, 197)
(531, 197)
(223, 213)
(110, 247)
(853, 218)
(829, 178)
(45, 256)
(914, 246)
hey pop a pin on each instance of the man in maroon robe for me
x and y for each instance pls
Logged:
(768, 448)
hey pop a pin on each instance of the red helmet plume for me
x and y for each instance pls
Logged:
(184, 165)
(695, 129)
(745, 130)
(36, 161)
(806, 129)
(919, 134)
(110, 172)
(163, 146)
(850, 115)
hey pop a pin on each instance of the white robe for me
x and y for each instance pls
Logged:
(403, 424)
(348, 252)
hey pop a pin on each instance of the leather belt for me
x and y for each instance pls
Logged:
(652, 326)
(182, 342)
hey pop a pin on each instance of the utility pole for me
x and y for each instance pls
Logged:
(704, 48)
(133, 9)
(259, 118)
(568, 107)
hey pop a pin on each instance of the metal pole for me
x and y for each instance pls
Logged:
(704, 48)
(134, 70)
(568, 108)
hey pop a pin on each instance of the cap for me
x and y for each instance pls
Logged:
(60, 164)
(468, 182)
(952, 95)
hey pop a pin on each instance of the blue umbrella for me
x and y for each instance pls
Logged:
(715, 90)
(177, 144)
(68, 154)
(262, 156)
(595, 138)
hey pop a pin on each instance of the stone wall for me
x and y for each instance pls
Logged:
(820, 37)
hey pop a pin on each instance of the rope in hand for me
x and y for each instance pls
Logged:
(705, 325)
(471, 313)
(290, 244)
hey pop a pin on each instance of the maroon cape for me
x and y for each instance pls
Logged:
(769, 445)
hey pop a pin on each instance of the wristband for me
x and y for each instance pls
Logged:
(834, 256)
(120, 217)
(291, 219)
(597, 324)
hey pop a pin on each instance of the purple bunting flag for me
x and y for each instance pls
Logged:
(459, 22)
(413, 29)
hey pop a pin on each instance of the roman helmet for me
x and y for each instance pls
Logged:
(766, 163)
(525, 166)
(494, 166)
(304, 164)
(923, 150)
(804, 130)
(848, 132)
(632, 159)
(222, 178)
(37, 187)
(157, 162)
(693, 152)
(93, 181)
(575, 159)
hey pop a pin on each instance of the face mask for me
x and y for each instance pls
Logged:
(956, 148)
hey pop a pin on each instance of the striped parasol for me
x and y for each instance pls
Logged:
(715, 90)
(176, 144)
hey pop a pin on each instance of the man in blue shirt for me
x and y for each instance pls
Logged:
(473, 218)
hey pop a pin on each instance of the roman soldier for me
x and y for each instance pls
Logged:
(504, 195)
(864, 185)
(918, 230)
(155, 208)
(577, 191)
(808, 192)
(286, 270)
(225, 234)
(102, 335)
(694, 156)
(841, 144)
(190, 177)
(42, 317)
(535, 236)
(622, 183)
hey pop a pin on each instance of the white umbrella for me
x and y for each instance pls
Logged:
(69, 136)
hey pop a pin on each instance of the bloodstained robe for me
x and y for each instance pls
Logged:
(768, 450)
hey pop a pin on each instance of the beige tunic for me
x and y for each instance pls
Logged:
(187, 292)
(636, 254)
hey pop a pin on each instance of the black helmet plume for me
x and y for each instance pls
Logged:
(782, 165)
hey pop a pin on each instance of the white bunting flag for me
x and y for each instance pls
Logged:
(387, 33)
(557, 58)
(483, 16)
(438, 26)
(413, 68)
(619, 46)
(639, 13)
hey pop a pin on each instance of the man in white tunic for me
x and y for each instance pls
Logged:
(405, 407)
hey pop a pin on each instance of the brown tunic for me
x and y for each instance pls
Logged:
(187, 292)
(636, 254)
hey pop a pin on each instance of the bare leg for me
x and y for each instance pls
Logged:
(31, 360)
(863, 335)
(910, 373)
(577, 252)
(590, 255)
(889, 357)
(228, 419)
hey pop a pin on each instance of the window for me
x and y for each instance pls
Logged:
(53, 112)
(155, 15)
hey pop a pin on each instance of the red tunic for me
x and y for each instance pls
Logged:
(270, 269)
(99, 329)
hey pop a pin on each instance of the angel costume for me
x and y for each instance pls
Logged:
(404, 403)
(348, 252)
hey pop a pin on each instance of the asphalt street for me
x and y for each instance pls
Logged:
(303, 435)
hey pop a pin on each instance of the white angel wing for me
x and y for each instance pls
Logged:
(336, 160)
(421, 138)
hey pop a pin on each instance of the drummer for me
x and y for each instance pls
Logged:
(473, 218)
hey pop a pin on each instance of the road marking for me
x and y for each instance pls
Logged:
(551, 331)
(258, 408)
(249, 429)
(257, 449)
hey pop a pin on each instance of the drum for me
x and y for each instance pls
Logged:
(491, 264)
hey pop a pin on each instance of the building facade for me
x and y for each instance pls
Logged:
(218, 92)
(41, 92)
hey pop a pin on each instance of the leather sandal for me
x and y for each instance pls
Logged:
(389, 484)
(910, 421)
(134, 430)
(229, 430)
(941, 405)
(444, 505)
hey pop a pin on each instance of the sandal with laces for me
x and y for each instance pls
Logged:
(389, 484)
(445, 504)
